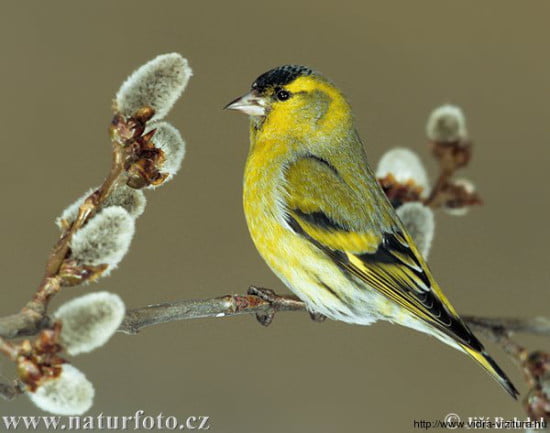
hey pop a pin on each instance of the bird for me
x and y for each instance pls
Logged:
(323, 224)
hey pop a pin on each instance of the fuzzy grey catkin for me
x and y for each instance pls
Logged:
(446, 124)
(169, 140)
(89, 321)
(126, 197)
(71, 393)
(157, 84)
(133, 200)
(420, 223)
(404, 165)
(105, 239)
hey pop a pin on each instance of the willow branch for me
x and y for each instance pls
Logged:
(451, 157)
(235, 305)
(262, 303)
(33, 316)
(223, 306)
(21, 324)
(8, 391)
(8, 349)
(502, 325)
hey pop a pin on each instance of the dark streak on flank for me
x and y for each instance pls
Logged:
(447, 323)
(328, 288)
(324, 162)
(320, 219)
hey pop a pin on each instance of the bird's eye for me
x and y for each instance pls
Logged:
(282, 95)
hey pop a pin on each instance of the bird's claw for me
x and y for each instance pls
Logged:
(317, 317)
(276, 303)
(268, 295)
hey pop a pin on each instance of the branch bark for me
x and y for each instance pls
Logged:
(260, 302)
(508, 325)
(8, 391)
(263, 303)
(235, 305)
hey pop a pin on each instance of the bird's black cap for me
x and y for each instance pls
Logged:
(280, 76)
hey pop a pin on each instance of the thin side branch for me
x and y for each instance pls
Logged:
(32, 316)
(263, 303)
(8, 391)
(234, 305)
(8, 349)
(223, 306)
(23, 324)
(506, 326)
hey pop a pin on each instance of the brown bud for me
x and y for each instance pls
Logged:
(120, 130)
(452, 156)
(399, 193)
(73, 274)
(144, 114)
(48, 340)
(144, 170)
(25, 347)
(537, 364)
(39, 360)
(28, 372)
(149, 136)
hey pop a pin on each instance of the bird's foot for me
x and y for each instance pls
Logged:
(265, 318)
(317, 317)
(275, 303)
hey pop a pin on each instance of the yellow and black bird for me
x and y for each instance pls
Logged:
(323, 224)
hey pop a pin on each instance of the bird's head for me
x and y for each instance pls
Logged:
(293, 99)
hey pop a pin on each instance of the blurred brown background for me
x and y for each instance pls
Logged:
(62, 64)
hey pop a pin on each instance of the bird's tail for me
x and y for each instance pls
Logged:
(493, 369)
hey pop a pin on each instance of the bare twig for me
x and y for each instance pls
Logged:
(8, 391)
(32, 317)
(262, 303)
(224, 306)
(501, 325)
(451, 157)
(267, 302)
(234, 305)
(22, 324)
(8, 349)
(126, 138)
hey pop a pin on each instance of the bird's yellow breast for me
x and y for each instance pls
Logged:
(262, 193)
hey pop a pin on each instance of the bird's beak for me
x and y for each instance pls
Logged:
(251, 104)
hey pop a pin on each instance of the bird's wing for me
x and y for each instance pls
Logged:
(361, 238)
(380, 254)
